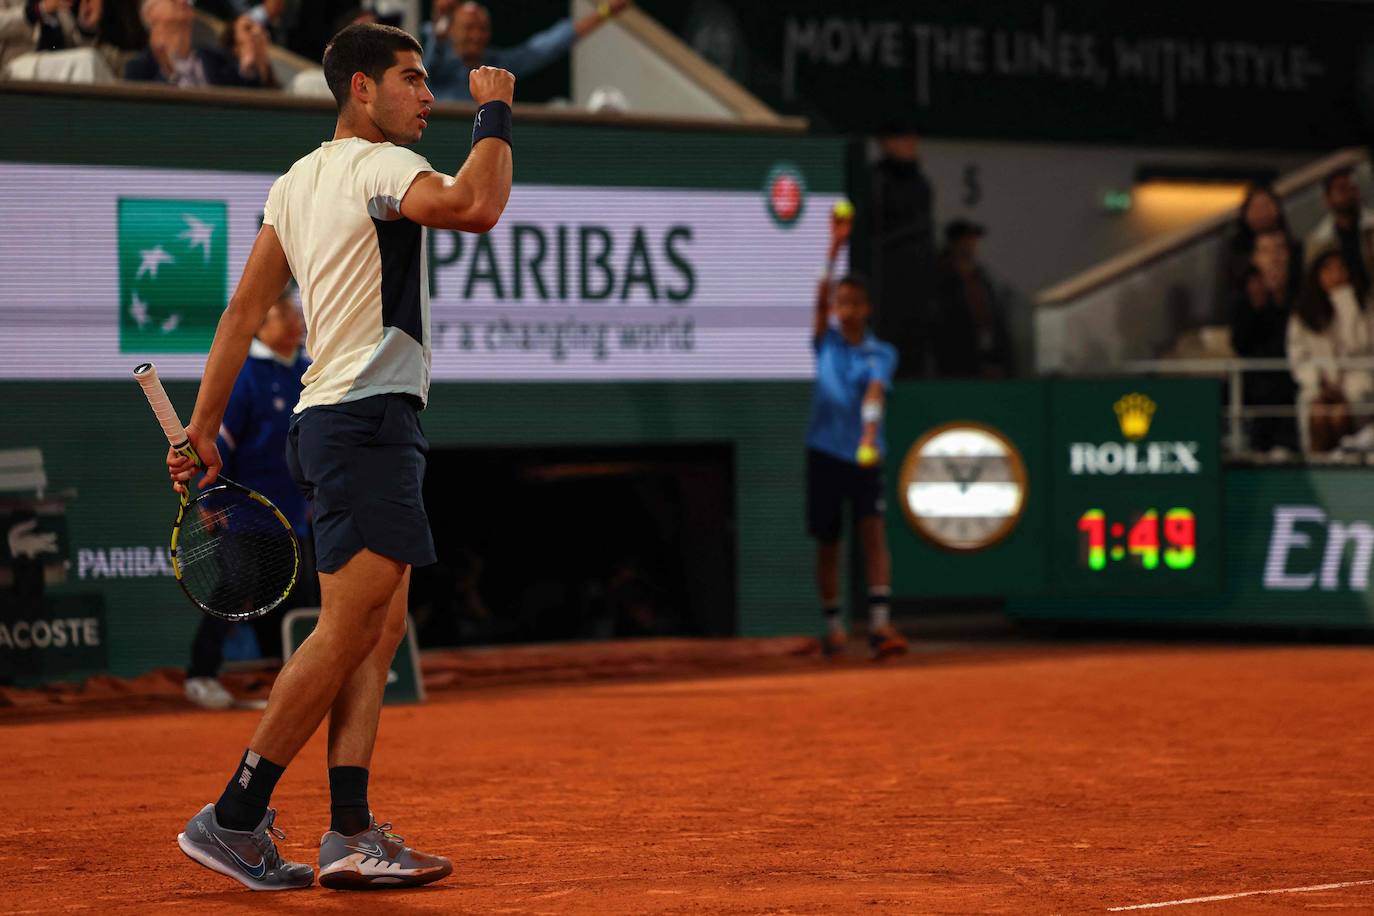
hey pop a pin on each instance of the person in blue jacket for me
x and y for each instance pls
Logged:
(252, 443)
(456, 41)
(172, 58)
(844, 449)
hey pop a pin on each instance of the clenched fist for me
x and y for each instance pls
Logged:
(491, 84)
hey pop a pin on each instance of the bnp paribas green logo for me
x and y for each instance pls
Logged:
(173, 273)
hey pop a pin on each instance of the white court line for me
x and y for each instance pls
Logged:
(1282, 890)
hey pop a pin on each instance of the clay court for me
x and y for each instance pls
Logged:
(1042, 780)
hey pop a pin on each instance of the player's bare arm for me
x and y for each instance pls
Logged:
(874, 398)
(264, 277)
(474, 199)
(840, 227)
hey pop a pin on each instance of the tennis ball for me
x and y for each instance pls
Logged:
(843, 209)
(867, 456)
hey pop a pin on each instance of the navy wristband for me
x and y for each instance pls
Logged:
(493, 120)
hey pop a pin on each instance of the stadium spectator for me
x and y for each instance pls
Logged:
(1261, 211)
(456, 41)
(171, 58)
(1347, 227)
(245, 40)
(252, 443)
(272, 16)
(46, 25)
(969, 325)
(902, 241)
(122, 29)
(1330, 322)
(1260, 309)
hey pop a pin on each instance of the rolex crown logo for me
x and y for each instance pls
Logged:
(1134, 412)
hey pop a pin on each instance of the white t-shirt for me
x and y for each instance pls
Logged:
(361, 267)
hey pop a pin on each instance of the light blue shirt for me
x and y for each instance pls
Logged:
(448, 75)
(843, 373)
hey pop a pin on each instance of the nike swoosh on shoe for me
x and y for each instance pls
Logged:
(255, 871)
(374, 851)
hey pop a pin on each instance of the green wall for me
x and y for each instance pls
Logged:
(1298, 550)
(99, 439)
(168, 132)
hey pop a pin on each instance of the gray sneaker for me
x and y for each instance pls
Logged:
(246, 856)
(376, 858)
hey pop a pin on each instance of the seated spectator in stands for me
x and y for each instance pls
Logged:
(1260, 310)
(1261, 211)
(170, 57)
(969, 336)
(1347, 227)
(456, 42)
(1331, 322)
(122, 28)
(272, 16)
(46, 25)
(246, 41)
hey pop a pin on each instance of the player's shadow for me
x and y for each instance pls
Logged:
(316, 899)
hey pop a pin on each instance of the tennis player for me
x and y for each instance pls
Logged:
(348, 222)
(844, 449)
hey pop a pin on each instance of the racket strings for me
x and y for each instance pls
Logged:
(237, 558)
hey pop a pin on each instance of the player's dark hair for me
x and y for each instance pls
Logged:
(858, 281)
(366, 47)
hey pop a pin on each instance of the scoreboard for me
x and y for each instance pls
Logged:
(1096, 487)
(1136, 487)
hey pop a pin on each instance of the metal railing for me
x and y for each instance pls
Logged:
(1235, 412)
(1135, 304)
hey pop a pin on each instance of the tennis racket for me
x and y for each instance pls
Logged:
(233, 552)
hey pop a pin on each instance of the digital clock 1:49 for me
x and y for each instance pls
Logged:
(1139, 540)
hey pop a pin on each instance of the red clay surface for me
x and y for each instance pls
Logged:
(1038, 781)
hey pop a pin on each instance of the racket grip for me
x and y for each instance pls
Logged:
(146, 375)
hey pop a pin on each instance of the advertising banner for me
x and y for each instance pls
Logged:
(104, 267)
(968, 471)
(1136, 486)
(1171, 72)
(34, 547)
(1105, 487)
(58, 637)
(1299, 547)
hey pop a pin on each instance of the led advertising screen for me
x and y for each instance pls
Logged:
(102, 267)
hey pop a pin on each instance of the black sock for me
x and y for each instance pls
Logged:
(348, 810)
(245, 799)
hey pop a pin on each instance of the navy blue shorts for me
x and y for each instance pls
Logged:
(361, 465)
(830, 483)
